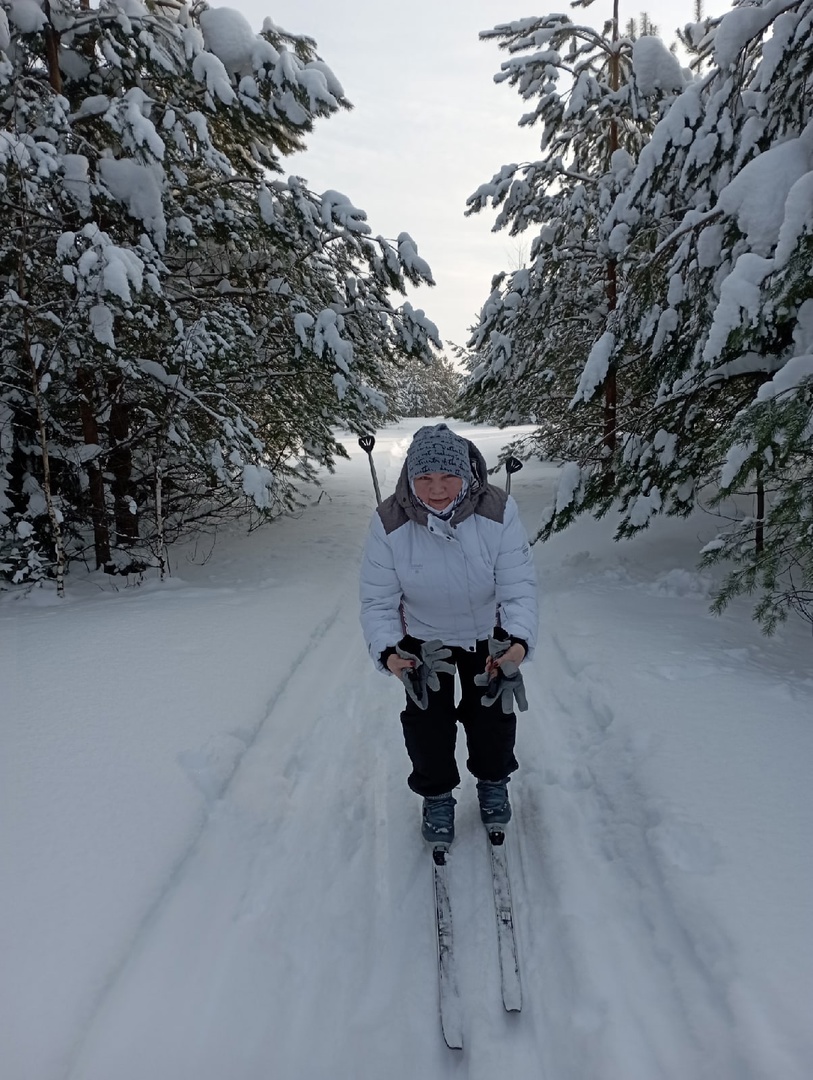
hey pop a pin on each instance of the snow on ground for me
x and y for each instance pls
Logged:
(212, 865)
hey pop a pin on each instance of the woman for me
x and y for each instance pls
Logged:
(446, 561)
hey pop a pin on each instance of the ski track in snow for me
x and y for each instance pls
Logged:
(293, 936)
(612, 924)
(175, 876)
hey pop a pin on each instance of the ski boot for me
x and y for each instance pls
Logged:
(495, 807)
(437, 826)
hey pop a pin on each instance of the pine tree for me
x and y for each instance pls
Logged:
(715, 327)
(598, 96)
(180, 333)
(427, 390)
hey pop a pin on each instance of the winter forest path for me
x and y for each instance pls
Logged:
(282, 927)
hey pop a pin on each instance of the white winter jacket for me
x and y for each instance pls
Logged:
(454, 580)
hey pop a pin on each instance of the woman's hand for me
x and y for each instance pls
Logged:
(502, 679)
(396, 664)
(515, 655)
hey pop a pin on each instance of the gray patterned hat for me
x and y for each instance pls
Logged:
(438, 449)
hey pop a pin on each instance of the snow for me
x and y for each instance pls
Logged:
(213, 861)
(739, 26)
(94, 105)
(26, 15)
(795, 372)
(228, 35)
(417, 326)
(618, 239)
(314, 81)
(77, 181)
(327, 335)
(303, 323)
(408, 253)
(131, 112)
(101, 323)
(736, 457)
(258, 484)
(288, 104)
(644, 507)
(758, 193)
(139, 188)
(5, 33)
(209, 69)
(797, 218)
(710, 245)
(803, 331)
(122, 268)
(595, 370)
(740, 301)
(334, 87)
(655, 68)
(338, 210)
(569, 480)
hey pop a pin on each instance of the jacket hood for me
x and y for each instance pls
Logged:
(418, 513)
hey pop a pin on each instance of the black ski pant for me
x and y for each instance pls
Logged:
(430, 734)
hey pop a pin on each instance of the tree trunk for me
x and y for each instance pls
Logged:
(24, 434)
(611, 383)
(42, 433)
(759, 528)
(759, 534)
(90, 434)
(159, 520)
(53, 516)
(52, 51)
(121, 465)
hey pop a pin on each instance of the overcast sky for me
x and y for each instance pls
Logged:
(429, 124)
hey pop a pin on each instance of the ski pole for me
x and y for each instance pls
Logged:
(367, 442)
(512, 465)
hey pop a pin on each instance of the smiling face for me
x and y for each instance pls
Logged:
(437, 489)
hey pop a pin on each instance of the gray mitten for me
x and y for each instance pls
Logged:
(506, 684)
(423, 677)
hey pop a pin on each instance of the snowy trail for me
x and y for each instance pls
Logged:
(622, 931)
(218, 792)
(615, 941)
(283, 926)
(299, 927)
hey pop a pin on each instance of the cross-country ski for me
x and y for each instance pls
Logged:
(506, 934)
(451, 1017)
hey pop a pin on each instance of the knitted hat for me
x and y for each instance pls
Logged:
(438, 450)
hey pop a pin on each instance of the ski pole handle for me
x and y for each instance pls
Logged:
(512, 465)
(367, 442)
